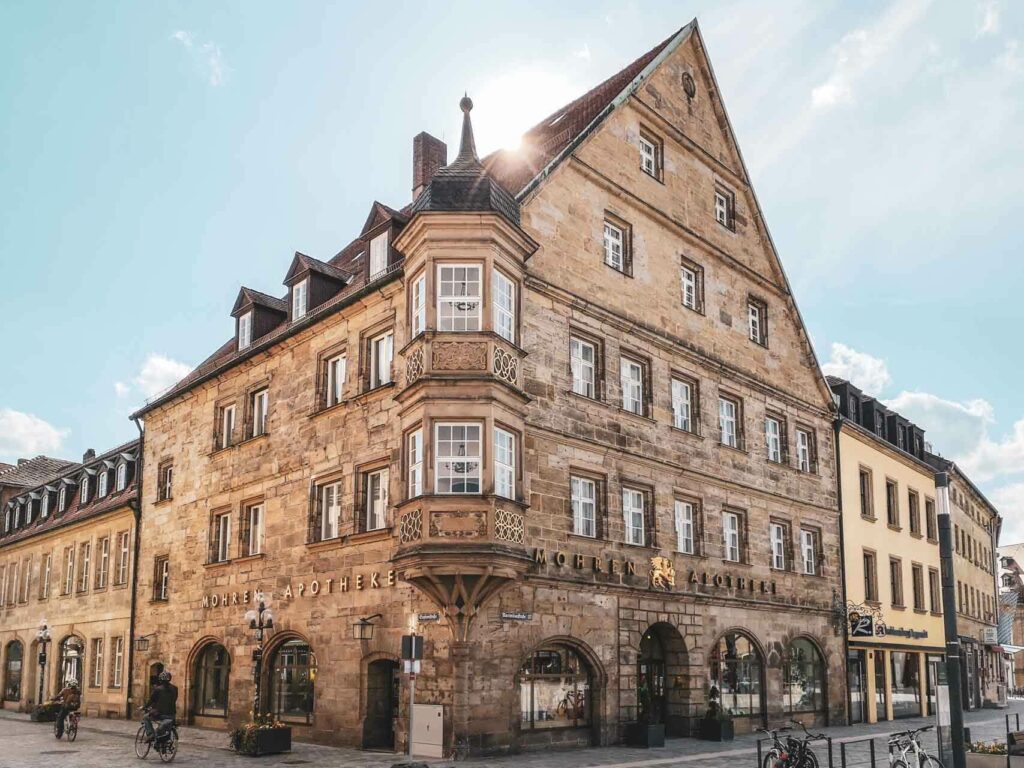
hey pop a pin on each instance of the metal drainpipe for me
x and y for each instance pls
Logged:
(837, 425)
(137, 509)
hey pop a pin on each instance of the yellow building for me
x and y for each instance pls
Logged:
(891, 555)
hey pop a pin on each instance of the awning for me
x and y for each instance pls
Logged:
(1009, 649)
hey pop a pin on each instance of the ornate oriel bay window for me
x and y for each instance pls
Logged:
(554, 689)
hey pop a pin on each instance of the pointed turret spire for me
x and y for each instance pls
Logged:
(467, 147)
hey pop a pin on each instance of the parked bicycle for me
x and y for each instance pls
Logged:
(165, 743)
(778, 754)
(906, 742)
(70, 726)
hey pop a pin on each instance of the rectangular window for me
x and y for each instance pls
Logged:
(632, 381)
(12, 575)
(688, 278)
(503, 306)
(84, 561)
(682, 401)
(458, 297)
(457, 458)
(914, 512)
(728, 422)
(773, 438)
(117, 664)
(336, 368)
(870, 578)
(809, 550)
(614, 247)
(165, 481)
(376, 486)
(896, 581)
(220, 542)
(419, 305)
(69, 569)
(892, 509)
(103, 562)
(650, 154)
(804, 450)
(44, 576)
(731, 543)
(381, 351)
(866, 509)
(584, 506)
(415, 459)
(917, 577)
(778, 534)
(685, 527)
(328, 500)
(227, 426)
(161, 577)
(378, 255)
(724, 208)
(258, 404)
(252, 540)
(934, 590)
(245, 330)
(97, 662)
(26, 581)
(122, 557)
(633, 515)
(299, 299)
(757, 322)
(504, 463)
(583, 361)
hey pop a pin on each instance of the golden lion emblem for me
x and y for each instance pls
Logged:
(663, 573)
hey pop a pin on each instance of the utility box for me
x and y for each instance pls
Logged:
(428, 730)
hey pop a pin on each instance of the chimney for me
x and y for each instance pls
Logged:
(22, 461)
(428, 154)
(89, 455)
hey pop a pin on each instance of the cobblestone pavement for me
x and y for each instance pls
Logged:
(106, 743)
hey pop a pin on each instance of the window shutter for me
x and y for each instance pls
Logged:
(744, 534)
(698, 531)
(315, 527)
(787, 547)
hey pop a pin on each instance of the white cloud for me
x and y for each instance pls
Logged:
(1009, 500)
(208, 56)
(954, 429)
(121, 389)
(23, 435)
(989, 24)
(583, 53)
(183, 37)
(866, 372)
(158, 373)
(1012, 60)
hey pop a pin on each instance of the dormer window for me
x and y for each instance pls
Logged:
(84, 494)
(102, 487)
(245, 330)
(44, 505)
(62, 498)
(299, 299)
(122, 477)
(378, 254)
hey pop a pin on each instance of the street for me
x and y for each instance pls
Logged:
(104, 743)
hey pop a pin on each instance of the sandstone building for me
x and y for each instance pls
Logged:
(66, 558)
(559, 415)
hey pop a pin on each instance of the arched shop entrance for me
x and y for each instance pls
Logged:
(557, 697)
(661, 679)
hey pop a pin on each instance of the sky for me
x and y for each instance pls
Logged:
(154, 157)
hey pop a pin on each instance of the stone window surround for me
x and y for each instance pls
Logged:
(600, 481)
(324, 356)
(698, 523)
(361, 474)
(698, 273)
(646, 384)
(725, 394)
(366, 357)
(654, 140)
(695, 404)
(650, 513)
(599, 366)
(162, 494)
(610, 217)
(788, 558)
(783, 422)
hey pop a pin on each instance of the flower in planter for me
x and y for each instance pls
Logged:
(987, 748)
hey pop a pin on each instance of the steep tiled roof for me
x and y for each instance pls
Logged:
(33, 471)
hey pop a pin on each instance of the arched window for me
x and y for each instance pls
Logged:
(803, 678)
(12, 671)
(292, 679)
(71, 662)
(554, 689)
(211, 687)
(122, 477)
(736, 671)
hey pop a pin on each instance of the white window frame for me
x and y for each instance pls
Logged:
(685, 519)
(165, 574)
(682, 405)
(102, 484)
(721, 208)
(777, 538)
(378, 254)
(803, 450)
(634, 515)
(614, 247)
(504, 463)
(121, 477)
(44, 575)
(773, 439)
(300, 299)
(648, 157)
(809, 549)
(103, 565)
(450, 476)
(260, 404)
(223, 523)
(168, 482)
(118, 662)
(256, 520)
(62, 498)
(583, 494)
(336, 369)
(123, 557)
(382, 348)
(97, 662)
(468, 318)
(227, 425)
(83, 491)
(415, 460)
(330, 510)
(44, 505)
(688, 285)
(631, 381)
(731, 547)
(419, 305)
(503, 303)
(245, 330)
(584, 372)
(84, 563)
(376, 499)
(728, 420)
(69, 569)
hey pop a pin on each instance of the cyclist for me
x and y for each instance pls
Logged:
(162, 707)
(70, 699)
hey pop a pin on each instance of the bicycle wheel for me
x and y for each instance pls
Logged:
(808, 760)
(927, 761)
(169, 748)
(770, 760)
(58, 733)
(898, 764)
(72, 731)
(141, 745)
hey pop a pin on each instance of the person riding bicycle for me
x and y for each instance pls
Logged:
(70, 699)
(162, 707)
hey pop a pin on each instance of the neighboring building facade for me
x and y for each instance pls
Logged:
(559, 415)
(891, 553)
(66, 554)
(1011, 614)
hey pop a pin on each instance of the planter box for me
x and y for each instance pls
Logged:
(268, 741)
(976, 760)
(716, 730)
(645, 735)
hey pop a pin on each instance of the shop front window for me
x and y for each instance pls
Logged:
(12, 671)
(906, 684)
(71, 666)
(554, 684)
(212, 670)
(736, 673)
(804, 678)
(292, 678)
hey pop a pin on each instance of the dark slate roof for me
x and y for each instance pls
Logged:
(247, 295)
(302, 261)
(33, 471)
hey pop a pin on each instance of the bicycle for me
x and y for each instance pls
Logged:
(166, 744)
(778, 755)
(800, 753)
(906, 741)
(70, 726)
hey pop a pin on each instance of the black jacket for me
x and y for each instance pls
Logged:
(164, 700)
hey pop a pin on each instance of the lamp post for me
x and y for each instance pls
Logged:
(260, 619)
(956, 712)
(43, 637)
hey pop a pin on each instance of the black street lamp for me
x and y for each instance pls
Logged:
(142, 643)
(43, 637)
(363, 629)
(260, 619)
